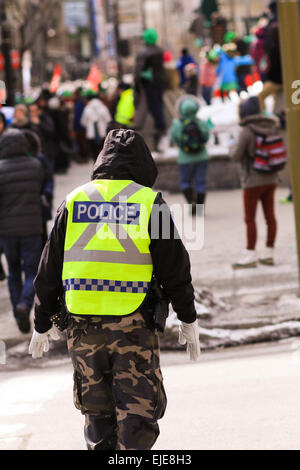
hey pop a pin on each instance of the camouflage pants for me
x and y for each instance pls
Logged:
(118, 384)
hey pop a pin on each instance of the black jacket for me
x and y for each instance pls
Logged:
(151, 57)
(124, 156)
(21, 180)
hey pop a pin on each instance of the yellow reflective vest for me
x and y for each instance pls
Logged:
(125, 108)
(107, 265)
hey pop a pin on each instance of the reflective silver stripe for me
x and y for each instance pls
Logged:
(93, 194)
(132, 287)
(131, 254)
(127, 192)
(108, 257)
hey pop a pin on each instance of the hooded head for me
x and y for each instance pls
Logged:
(273, 7)
(249, 107)
(188, 107)
(125, 156)
(150, 36)
(34, 143)
(13, 143)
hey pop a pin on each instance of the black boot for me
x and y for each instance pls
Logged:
(201, 198)
(189, 195)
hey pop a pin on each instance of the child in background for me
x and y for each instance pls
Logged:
(257, 186)
(191, 134)
(226, 70)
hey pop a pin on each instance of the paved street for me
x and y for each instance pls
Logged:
(246, 398)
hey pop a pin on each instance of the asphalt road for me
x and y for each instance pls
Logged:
(245, 398)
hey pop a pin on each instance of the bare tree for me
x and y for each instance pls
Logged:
(31, 19)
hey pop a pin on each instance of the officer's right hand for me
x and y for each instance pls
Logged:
(189, 334)
(39, 342)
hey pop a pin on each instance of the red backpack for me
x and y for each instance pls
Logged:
(270, 154)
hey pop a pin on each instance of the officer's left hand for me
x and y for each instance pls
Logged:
(39, 342)
(189, 334)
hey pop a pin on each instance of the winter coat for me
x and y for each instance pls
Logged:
(151, 58)
(257, 51)
(227, 70)
(78, 111)
(125, 156)
(253, 125)
(21, 180)
(182, 62)
(272, 48)
(95, 119)
(188, 109)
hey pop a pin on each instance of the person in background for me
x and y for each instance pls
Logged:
(2, 129)
(226, 70)
(20, 221)
(63, 141)
(243, 70)
(257, 51)
(48, 124)
(42, 123)
(21, 117)
(208, 76)
(191, 134)
(35, 151)
(125, 108)
(95, 119)
(150, 77)
(274, 79)
(185, 59)
(257, 187)
(78, 129)
(192, 80)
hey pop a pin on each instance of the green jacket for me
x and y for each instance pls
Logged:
(188, 110)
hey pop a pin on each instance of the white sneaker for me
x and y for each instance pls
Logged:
(268, 257)
(248, 260)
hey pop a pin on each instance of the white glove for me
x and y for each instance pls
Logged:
(39, 342)
(189, 333)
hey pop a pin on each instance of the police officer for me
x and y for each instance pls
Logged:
(105, 249)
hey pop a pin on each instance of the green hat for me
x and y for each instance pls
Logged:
(229, 36)
(150, 36)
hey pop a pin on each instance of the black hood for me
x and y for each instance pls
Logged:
(13, 143)
(125, 156)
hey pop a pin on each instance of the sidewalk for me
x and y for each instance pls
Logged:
(253, 298)
(238, 399)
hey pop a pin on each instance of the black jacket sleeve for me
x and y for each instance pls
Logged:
(48, 282)
(171, 261)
